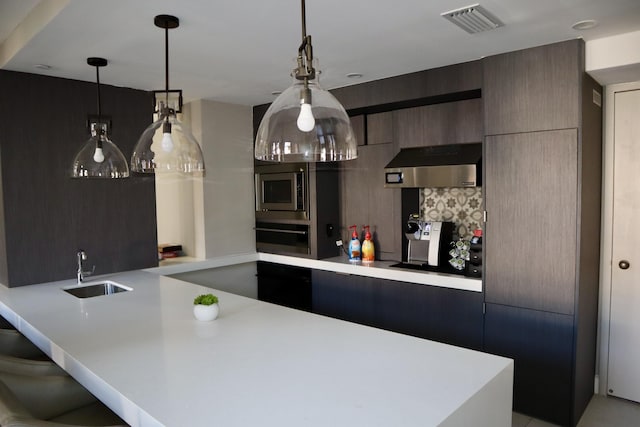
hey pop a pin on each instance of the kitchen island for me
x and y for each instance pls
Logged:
(144, 355)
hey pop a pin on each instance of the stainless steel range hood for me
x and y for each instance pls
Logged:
(456, 165)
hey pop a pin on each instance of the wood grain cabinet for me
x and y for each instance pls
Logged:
(45, 216)
(438, 124)
(541, 343)
(446, 315)
(533, 89)
(531, 183)
(380, 128)
(359, 131)
(542, 179)
(365, 201)
(431, 83)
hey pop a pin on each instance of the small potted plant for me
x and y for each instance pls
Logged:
(205, 307)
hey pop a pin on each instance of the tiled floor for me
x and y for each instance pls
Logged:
(601, 412)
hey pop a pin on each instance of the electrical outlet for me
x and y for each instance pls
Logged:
(338, 243)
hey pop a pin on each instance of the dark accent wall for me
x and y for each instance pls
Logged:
(47, 215)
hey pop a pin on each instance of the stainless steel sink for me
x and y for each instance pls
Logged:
(96, 289)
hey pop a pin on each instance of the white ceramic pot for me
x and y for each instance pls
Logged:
(206, 313)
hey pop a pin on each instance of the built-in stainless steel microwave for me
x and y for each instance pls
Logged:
(281, 191)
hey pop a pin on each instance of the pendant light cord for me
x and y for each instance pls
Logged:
(304, 20)
(99, 130)
(305, 70)
(166, 126)
(166, 65)
(98, 90)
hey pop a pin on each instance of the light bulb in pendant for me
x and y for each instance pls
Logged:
(306, 122)
(98, 155)
(167, 143)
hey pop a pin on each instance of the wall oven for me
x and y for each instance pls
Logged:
(282, 208)
(281, 191)
(283, 238)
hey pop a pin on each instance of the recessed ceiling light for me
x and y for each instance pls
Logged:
(587, 24)
(354, 75)
(42, 67)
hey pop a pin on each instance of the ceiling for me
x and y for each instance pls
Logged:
(240, 52)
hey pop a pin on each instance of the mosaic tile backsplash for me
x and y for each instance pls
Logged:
(462, 206)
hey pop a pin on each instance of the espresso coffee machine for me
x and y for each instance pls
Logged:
(429, 242)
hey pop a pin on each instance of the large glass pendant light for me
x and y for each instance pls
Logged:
(305, 123)
(99, 157)
(167, 145)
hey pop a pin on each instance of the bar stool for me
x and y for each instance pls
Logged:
(47, 393)
(14, 414)
(13, 343)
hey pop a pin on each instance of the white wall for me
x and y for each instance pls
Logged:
(175, 212)
(614, 59)
(215, 215)
(224, 205)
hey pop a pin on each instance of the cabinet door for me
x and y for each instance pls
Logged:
(358, 125)
(380, 128)
(365, 201)
(530, 233)
(354, 193)
(284, 285)
(533, 89)
(541, 345)
(343, 296)
(439, 124)
(446, 315)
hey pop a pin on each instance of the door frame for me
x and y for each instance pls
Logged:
(606, 245)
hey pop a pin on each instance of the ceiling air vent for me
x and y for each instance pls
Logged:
(473, 19)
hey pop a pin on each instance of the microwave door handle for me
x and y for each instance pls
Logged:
(278, 230)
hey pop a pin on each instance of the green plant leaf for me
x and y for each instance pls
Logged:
(206, 299)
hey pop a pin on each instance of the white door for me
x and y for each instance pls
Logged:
(624, 334)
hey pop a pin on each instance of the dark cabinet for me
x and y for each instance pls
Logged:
(446, 315)
(344, 296)
(533, 89)
(433, 83)
(324, 211)
(358, 125)
(284, 285)
(380, 128)
(530, 236)
(541, 343)
(365, 201)
(439, 124)
(542, 179)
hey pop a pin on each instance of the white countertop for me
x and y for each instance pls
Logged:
(144, 355)
(377, 269)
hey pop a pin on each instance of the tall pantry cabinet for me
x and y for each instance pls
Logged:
(543, 127)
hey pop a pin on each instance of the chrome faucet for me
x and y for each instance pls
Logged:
(82, 256)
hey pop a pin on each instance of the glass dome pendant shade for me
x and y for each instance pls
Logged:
(167, 145)
(292, 131)
(99, 157)
(305, 123)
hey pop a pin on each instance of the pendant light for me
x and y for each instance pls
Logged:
(99, 157)
(167, 145)
(305, 123)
